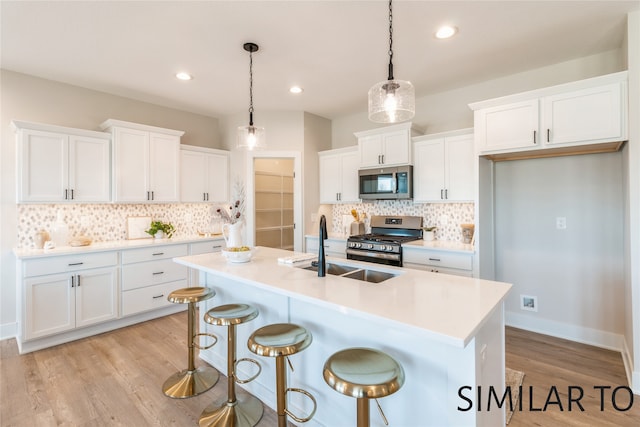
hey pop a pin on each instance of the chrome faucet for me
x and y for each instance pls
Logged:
(322, 236)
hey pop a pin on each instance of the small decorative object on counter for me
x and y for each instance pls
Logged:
(60, 231)
(357, 226)
(40, 238)
(429, 234)
(467, 232)
(159, 229)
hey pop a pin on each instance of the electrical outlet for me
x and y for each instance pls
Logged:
(561, 223)
(528, 302)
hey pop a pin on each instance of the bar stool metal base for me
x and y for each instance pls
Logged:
(246, 411)
(187, 383)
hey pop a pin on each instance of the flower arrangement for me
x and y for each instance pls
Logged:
(165, 227)
(231, 214)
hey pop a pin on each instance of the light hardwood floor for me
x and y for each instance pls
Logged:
(115, 379)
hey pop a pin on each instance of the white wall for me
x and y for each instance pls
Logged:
(44, 101)
(577, 274)
(449, 110)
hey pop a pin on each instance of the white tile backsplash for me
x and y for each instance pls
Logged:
(107, 222)
(447, 217)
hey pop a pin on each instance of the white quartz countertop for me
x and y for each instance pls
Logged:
(113, 245)
(440, 306)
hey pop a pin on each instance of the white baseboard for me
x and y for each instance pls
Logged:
(8, 330)
(576, 333)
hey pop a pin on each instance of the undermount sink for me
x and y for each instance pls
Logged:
(371, 276)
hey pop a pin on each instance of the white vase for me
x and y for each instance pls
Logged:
(232, 234)
(159, 234)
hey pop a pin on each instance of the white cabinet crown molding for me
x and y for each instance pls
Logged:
(107, 125)
(17, 125)
(384, 129)
(445, 134)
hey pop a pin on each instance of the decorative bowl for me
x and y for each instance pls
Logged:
(238, 254)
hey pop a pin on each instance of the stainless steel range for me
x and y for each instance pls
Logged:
(384, 244)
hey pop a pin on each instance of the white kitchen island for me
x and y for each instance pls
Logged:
(446, 331)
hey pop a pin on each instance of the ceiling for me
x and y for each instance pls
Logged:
(335, 50)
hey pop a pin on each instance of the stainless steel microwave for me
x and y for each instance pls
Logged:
(386, 183)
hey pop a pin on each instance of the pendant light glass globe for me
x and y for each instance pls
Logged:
(251, 137)
(392, 101)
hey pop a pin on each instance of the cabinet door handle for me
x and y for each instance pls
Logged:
(78, 281)
(153, 197)
(158, 253)
(158, 272)
(66, 194)
(446, 193)
(147, 195)
(158, 296)
(534, 136)
(548, 135)
(75, 263)
(73, 281)
(441, 193)
(72, 194)
(434, 259)
(383, 159)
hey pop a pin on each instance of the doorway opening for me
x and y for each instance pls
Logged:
(274, 202)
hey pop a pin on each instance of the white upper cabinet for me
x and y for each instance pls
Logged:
(59, 164)
(444, 169)
(204, 174)
(146, 162)
(586, 112)
(339, 176)
(388, 146)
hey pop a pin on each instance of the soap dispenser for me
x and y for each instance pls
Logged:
(60, 231)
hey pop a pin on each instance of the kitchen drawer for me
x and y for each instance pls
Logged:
(149, 298)
(153, 253)
(63, 264)
(151, 273)
(438, 259)
(206, 247)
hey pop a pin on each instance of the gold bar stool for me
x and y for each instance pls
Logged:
(281, 340)
(363, 373)
(191, 381)
(236, 411)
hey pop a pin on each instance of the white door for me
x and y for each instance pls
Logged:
(349, 178)
(193, 176)
(89, 169)
(131, 160)
(582, 116)
(96, 296)
(429, 171)
(49, 305)
(508, 126)
(459, 168)
(217, 178)
(164, 167)
(44, 158)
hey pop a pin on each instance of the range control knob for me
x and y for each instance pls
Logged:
(370, 246)
(383, 247)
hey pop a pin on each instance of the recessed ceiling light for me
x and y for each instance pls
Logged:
(296, 89)
(184, 76)
(446, 31)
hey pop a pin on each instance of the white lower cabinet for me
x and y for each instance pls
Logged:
(332, 247)
(210, 246)
(459, 264)
(149, 275)
(69, 295)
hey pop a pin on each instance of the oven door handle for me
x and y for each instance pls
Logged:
(379, 255)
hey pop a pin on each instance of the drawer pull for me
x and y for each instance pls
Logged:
(158, 272)
(434, 259)
(217, 246)
(158, 296)
(158, 253)
(75, 263)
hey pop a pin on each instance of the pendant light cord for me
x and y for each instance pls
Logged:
(250, 88)
(390, 41)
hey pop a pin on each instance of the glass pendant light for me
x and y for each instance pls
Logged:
(392, 100)
(251, 137)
